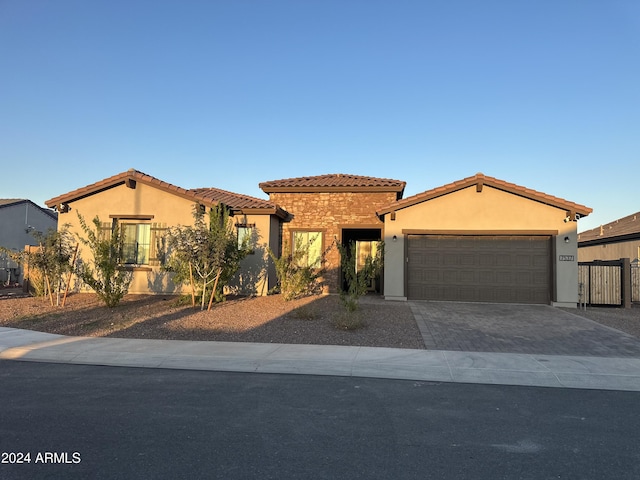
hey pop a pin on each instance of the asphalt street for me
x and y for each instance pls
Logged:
(80, 421)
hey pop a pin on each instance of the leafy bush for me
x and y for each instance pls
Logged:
(305, 312)
(105, 277)
(348, 320)
(37, 283)
(295, 278)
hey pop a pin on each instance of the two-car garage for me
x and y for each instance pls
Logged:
(481, 239)
(479, 268)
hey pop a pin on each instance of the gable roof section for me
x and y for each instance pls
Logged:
(237, 201)
(625, 228)
(9, 202)
(208, 196)
(336, 182)
(479, 180)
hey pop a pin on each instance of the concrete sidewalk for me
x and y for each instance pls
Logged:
(392, 363)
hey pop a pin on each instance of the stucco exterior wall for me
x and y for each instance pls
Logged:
(610, 251)
(330, 212)
(168, 210)
(16, 223)
(257, 275)
(491, 210)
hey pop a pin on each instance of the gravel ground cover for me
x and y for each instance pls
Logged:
(254, 319)
(251, 319)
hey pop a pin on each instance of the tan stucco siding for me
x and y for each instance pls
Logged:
(489, 211)
(255, 276)
(121, 200)
(161, 207)
(143, 200)
(610, 251)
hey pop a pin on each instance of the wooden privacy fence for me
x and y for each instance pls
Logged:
(635, 282)
(605, 282)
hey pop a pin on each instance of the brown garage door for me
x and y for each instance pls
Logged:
(478, 268)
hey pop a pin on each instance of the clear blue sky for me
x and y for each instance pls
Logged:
(226, 94)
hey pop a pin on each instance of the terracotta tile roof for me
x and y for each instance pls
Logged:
(110, 182)
(620, 229)
(479, 180)
(209, 196)
(234, 200)
(337, 182)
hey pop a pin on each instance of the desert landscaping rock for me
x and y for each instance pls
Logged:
(244, 319)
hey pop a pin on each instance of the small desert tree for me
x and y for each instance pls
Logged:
(357, 281)
(54, 259)
(206, 255)
(105, 274)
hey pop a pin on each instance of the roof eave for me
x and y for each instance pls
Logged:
(277, 211)
(20, 201)
(457, 186)
(613, 239)
(118, 180)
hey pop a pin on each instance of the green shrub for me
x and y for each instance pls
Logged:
(105, 275)
(348, 320)
(295, 279)
(305, 312)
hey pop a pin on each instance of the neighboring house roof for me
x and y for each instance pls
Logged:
(10, 201)
(626, 228)
(7, 202)
(337, 182)
(209, 196)
(479, 180)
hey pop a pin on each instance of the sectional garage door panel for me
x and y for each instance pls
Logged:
(511, 269)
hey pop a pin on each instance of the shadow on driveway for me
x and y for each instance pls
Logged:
(507, 328)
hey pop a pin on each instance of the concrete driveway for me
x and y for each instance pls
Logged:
(507, 328)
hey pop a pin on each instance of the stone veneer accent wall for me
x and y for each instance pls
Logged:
(330, 212)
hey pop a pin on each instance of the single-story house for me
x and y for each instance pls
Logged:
(479, 239)
(612, 241)
(146, 206)
(19, 219)
(482, 239)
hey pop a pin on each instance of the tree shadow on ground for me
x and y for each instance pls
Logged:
(267, 319)
(272, 320)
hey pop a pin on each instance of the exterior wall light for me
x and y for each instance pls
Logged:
(395, 238)
(566, 239)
